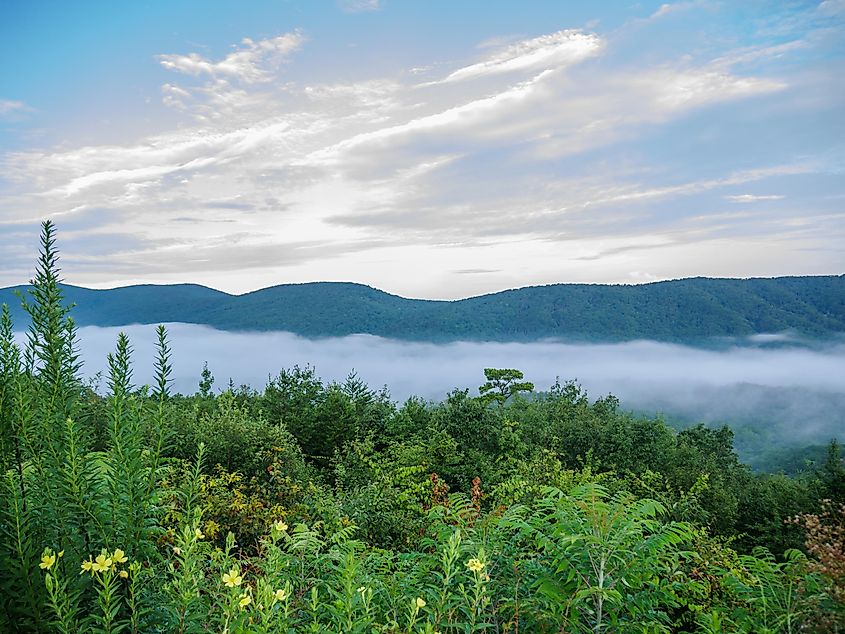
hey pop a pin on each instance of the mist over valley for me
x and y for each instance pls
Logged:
(775, 391)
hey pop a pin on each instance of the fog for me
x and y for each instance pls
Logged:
(798, 391)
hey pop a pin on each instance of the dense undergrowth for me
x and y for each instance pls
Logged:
(328, 508)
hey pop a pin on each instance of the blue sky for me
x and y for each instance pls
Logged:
(432, 149)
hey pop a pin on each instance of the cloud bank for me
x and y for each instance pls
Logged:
(795, 392)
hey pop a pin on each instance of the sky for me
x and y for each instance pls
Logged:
(433, 149)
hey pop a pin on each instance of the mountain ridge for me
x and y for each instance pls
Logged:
(671, 310)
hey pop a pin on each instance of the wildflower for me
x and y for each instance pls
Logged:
(119, 556)
(475, 565)
(280, 526)
(199, 534)
(362, 590)
(419, 603)
(232, 578)
(47, 561)
(123, 574)
(245, 600)
(61, 553)
(280, 595)
(87, 566)
(102, 563)
(177, 550)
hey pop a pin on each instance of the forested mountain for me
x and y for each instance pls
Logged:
(678, 310)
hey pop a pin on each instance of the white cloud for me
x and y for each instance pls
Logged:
(555, 50)
(698, 87)
(359, 6)
(695, 187)
(458, 119)
(249, 63)
(751, 198)
(675, 7)
(831, 7)
(387, 168)
(10, 108)
(342, 122)
(757, 53)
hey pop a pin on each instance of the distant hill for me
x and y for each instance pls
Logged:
(679, 310)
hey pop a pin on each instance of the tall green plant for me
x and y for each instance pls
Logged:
(606, 559)
(40, 393)
(58, 494)
(128, 465)
(10, 451)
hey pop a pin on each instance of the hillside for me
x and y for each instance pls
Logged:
(678, 310)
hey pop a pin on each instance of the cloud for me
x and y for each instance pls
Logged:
(751, 198)
(461, 119)
(555, 50)
(796, 391)
(549, 222)
(249, 63)
(359, 6)
(675, 7)
(694, 187)
(675, 89)
(831, 8)
(10, 109)
(757, 53)
(562, 138)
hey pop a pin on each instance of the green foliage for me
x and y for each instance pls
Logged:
(502, 385)
(833, 473)
(58, 492)
(206, 381)
(607, 563)
(767, 593)
(235, 438)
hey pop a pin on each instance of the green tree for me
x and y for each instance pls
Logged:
(833, 473)
(502, 384)
(206, 381)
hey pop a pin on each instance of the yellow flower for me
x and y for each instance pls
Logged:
(232, 578)
(87, 566)
(419, 603)
(61, 553)
(47, 561)
(280, 595)
(362, 589)
(123, 574)
(280, 526)
(119, 557)
(245, 601)
(102, 564)
(199, 534)
(475, 565)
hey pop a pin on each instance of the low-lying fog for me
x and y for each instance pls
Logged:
(797, 390)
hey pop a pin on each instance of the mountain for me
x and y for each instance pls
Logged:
(678, 310)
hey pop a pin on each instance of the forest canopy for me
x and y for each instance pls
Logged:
(694, 310)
